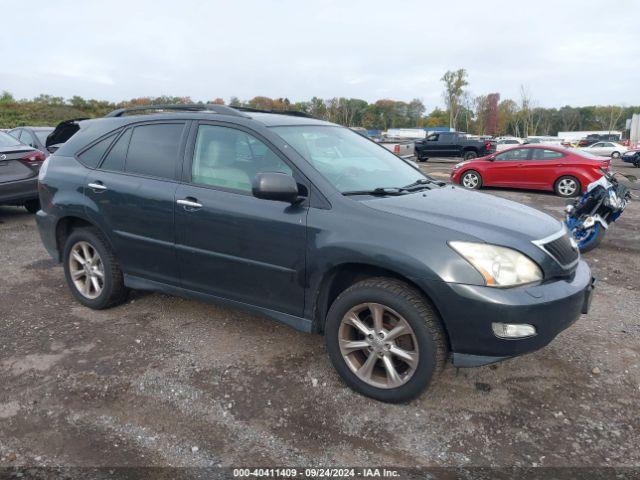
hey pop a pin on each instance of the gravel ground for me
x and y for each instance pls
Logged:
(164, 381)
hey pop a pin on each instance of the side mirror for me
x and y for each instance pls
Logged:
(491, 158)
(275, 186)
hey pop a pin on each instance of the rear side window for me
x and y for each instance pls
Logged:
(544, 154)
(117, 155)
(91, 156)
(153, 150)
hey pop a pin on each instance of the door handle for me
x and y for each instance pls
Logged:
(97, 186)
(189, 203)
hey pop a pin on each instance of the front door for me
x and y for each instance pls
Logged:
(508, 168)
(229, 243)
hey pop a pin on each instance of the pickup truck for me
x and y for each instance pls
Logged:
(453, 144)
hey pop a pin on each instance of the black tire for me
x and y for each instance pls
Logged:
(422, 159)
(469, 155)
(615, 155)
(558, 187)
(416, 310)
(32, 206)
(470, 185)
(596, 241)
(114, 291)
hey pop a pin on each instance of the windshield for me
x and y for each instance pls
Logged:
(43, 134)
(348, 160)
(7, 140)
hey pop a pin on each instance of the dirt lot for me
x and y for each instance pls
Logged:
(166, 381)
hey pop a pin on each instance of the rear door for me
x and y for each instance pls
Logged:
(229, 243)
(133, 194)
(543, 168)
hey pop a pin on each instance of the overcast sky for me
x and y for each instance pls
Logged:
(565, 52)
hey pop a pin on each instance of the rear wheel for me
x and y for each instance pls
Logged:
(567, 187)
(471, 179)
(32, 206)
(385, 340)
(91, 270)
(469, 155)
(615, 155)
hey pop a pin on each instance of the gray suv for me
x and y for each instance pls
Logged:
(313, 225)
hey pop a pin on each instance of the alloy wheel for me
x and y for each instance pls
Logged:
(86, 269)
(470, 180)
(378, 345)
(567, 187)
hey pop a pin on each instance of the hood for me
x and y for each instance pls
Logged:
(63, 132)
(485, 217)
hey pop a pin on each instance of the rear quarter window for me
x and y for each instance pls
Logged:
(116, 157)
(91, 156)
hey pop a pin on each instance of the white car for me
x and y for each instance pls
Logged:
(606, 149)
(507, 143)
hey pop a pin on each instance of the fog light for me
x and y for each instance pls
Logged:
(513, 330)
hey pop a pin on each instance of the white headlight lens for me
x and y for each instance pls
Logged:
(500, 266)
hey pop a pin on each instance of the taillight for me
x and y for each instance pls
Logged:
(34, 158)
(396, 149)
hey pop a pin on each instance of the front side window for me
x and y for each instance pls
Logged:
(513, 155)
(42, 135)
(433, 137)
(348, 160)
(153, 150)
(230, 158)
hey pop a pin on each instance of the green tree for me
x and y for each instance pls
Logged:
(454, 83)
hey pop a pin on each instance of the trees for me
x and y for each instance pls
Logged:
(454, 83)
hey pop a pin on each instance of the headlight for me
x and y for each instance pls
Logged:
(500, 266)
(458, 165)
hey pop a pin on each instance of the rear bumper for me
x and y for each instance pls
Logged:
(469, 311)
(47, 229)
(18, 192)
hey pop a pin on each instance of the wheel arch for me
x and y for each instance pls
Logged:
(66, 225)
(340, 277)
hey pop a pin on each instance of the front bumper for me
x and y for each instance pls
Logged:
(468, 312)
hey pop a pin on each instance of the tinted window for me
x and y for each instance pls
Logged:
(230, 158)
(544, 154)
(92, 156)
(515, 154)
(153, 150)
(117, 155)
(433, 137)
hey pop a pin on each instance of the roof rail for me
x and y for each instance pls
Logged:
(190, 107)
(293, 113)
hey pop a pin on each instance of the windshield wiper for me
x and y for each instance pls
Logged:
(380, 191)
(422, 183)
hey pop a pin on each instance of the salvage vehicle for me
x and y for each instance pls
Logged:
(536, 167)
(19, 167)
(589, 217)
(453, 144)
(311, 224)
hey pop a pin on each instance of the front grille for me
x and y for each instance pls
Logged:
(561, 249)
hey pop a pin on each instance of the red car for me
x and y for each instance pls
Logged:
(536, 167)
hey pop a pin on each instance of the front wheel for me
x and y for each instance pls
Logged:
(385, 340)
(471, 180)
(615, 155)
(590, 238)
